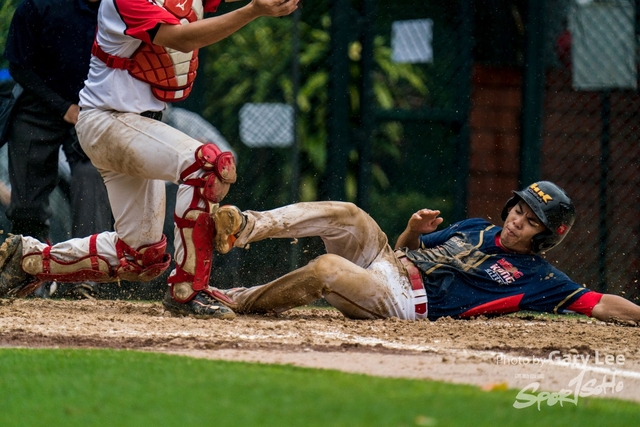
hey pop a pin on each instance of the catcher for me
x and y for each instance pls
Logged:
(144, 55)
(471, 268)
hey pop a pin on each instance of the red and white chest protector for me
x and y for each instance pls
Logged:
(169, 72)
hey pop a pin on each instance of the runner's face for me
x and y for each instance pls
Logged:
(519, 228)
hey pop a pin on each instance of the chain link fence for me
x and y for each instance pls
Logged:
(265, 89)
(421, 82)
(590, 138)
(370, 102)
(359, 101)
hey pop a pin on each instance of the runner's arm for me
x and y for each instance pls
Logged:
(614, 307)
(422, 222)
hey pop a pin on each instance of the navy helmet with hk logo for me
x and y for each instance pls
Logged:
(553, 207)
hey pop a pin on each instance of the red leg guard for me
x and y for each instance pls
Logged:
(148, 262)
(196, 226)
(47, 268)
(202, 237)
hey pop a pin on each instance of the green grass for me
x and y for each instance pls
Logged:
(127, 388)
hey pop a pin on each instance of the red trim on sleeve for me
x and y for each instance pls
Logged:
(211, 6)
(140, 16)
(499, 306)
(584, 304)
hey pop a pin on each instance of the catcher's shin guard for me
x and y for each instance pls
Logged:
(197, 228)
(137, 265)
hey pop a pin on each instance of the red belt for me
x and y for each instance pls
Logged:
(417, 287)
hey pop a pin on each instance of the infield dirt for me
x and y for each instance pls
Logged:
(505, 352)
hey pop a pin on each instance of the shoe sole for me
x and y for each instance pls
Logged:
(7, 249)
(228, 222)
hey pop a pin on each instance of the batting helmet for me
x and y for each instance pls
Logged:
(552, 206)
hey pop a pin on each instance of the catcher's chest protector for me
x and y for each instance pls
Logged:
(169, 72)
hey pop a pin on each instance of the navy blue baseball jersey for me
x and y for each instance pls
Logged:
(467, 273)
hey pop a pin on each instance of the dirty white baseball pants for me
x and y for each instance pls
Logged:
(134, 155)
(360, 274)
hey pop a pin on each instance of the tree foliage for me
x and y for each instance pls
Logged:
(7, 9)
(254, 65)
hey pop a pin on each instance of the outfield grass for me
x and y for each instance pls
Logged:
(127, 388)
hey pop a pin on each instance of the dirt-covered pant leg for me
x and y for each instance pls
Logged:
(359, 275)
(345, 229)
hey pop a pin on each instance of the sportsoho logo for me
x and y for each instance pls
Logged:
(576, 387)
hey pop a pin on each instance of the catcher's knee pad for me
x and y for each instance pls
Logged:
(219, 173)
(142, 264)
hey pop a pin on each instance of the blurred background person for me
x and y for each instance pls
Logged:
(48, 49)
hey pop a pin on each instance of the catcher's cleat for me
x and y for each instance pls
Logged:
(201, 306)
(13, 280)
(229, 221)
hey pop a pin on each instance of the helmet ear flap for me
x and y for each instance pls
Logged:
(507, 206)
(540, 242)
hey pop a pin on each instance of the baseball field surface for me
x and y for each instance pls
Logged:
(526, 352)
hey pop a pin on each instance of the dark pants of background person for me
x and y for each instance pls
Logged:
(35, 137)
